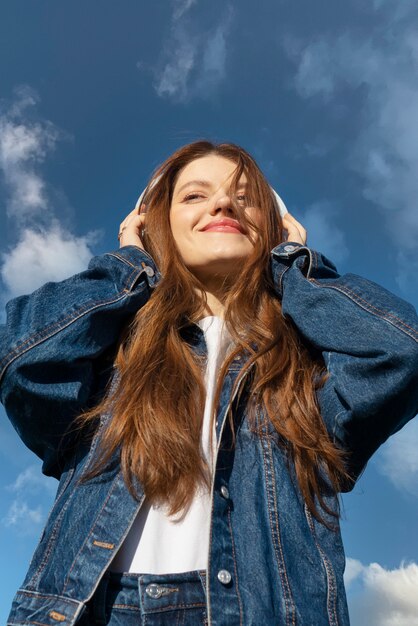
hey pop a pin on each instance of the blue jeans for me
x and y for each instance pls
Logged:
(148, 600)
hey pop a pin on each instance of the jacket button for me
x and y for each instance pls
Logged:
(149, 271)
(289, 248)
(224, 576)
(225, 492)
(153, 591)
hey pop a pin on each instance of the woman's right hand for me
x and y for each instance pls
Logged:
(131, 229)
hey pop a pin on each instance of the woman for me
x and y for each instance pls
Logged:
(203, 394)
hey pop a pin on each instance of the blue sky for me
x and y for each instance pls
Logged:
(94, 95)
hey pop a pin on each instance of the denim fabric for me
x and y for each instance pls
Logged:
(148, 600)
(269, 561)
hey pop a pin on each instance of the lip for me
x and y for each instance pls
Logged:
(224, 225)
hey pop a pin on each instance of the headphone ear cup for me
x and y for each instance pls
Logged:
(280, 205)
(150, 185)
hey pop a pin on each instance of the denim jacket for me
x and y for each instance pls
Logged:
(270, 561)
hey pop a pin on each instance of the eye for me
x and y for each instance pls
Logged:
(191, 196)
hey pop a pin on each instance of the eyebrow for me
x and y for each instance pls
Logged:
(204, 183)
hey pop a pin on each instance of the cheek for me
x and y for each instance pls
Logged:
(254, 215)
(181, 229)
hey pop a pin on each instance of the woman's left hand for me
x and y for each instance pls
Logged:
(295, 230)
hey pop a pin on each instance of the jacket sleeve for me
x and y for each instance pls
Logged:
(369, 341)
(56, 342)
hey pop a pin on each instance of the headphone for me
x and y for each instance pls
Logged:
(280, 205)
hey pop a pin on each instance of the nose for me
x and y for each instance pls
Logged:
(222, 204)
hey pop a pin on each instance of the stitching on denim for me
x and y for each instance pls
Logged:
(276, 511)
(134, 276)
(89, 535)
(52, 538)
(331, 582)
(371, 308)
(170, 607)
(123, 606)
(56, 328)
(59, 325)
(124, 260)
(235, 570)
(67, 481)
(280, 279)
(38, 594)
(25, 623)
(279, 558)
(121, 258)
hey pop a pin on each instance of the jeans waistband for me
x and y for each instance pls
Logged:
(148, 593)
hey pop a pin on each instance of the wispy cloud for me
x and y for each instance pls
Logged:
(43, 248)
(382, 597)
(30, 490)
(193, 61)
(398, 459)
(181, 7)
(324, 234)
(24, 144)
(44, 255)
(385, 151)
(31, 480)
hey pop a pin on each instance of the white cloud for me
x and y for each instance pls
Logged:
(23, 145)
(385, 151)
(398, 458)
(193, 62)
(181, 7)
(324, 234)
(353, 569)
(31, 490)
(44, 249)
(31, 480)
(42, 256)
(22, 517)
(383, 597)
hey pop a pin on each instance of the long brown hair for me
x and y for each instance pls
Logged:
(157, 406)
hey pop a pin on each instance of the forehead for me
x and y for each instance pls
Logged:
(214, 168)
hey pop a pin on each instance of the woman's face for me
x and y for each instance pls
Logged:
(211, 239)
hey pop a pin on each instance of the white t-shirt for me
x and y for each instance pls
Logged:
(157, 543)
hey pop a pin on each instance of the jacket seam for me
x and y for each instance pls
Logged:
(39, 594)
(280, 562)
(26, 623)
(331, 584)
(53, 535)
(58, 521)
(276, 514)
(66, 581)
(371, 308)
(126, 261)
(58, 499)
(56, 327)
(235, 570)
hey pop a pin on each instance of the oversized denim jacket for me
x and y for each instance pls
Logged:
(286, 568)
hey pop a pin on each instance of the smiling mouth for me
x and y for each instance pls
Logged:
(223, 228)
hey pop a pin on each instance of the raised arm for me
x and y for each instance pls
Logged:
(369, 341)
(54, 344)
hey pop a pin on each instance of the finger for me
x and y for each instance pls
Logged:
(131, 218)
(295, 230)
